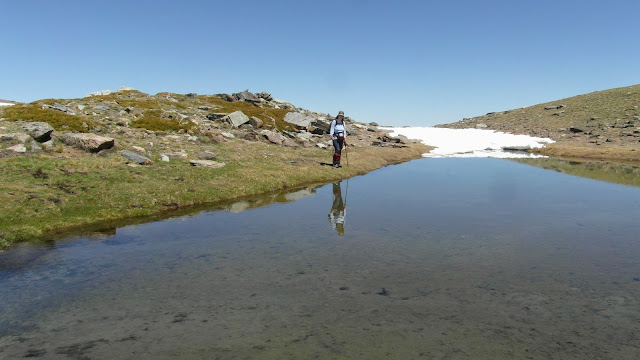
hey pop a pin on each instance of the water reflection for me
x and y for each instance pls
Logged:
(619, 173)
(338, 211)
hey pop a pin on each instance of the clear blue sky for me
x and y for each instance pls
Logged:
(393, 62)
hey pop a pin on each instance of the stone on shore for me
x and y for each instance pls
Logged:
(87, 141)
(40, 131)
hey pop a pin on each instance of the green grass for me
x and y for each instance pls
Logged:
(40, 196)
(156, 120)
(33, 112)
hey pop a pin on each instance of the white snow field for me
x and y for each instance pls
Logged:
(472, 142)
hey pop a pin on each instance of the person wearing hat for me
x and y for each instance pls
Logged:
(338, 133)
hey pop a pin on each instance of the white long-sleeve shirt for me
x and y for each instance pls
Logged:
(337, 129)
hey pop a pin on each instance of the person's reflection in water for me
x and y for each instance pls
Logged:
(338, 210)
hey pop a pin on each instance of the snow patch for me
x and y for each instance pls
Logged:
(472, 142)
(5, 104)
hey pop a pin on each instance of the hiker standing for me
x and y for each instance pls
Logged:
(338, 209)
(338, 133)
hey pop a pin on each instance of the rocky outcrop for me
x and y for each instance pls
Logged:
(40, 131)
(59, 107)
(87, 141)
(300, 120)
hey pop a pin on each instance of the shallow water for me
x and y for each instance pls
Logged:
(440, 258)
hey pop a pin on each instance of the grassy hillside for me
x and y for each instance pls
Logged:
(603, 124)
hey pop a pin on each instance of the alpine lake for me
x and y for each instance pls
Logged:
(434, 258)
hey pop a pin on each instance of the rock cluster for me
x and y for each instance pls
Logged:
(112, 118)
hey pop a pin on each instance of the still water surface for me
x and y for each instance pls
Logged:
(437, 258)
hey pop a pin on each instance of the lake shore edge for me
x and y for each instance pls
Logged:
(168, 190)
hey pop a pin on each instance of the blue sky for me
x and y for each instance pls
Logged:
(393, 62)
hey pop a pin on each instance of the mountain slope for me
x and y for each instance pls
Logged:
(603, 124)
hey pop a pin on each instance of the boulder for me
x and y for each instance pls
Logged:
(237, 118)
(298, 119)
(207, 163)
(273, 137)
(191, 95)
(265, 95)
(246, 96)
(481, 126)
(256, 122)
(19, 137)
(136, 158)
(19, 148)
(553, 107)
(40, 131)
(204, 155)
(126, 88)
(320, 127)
(101, 108)
(87, 141)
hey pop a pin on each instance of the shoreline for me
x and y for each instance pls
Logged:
(151, 193)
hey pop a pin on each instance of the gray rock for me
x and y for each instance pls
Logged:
(35, 147)
(204, 155)
(81, 107)
(101, 108)
(554, 107)
(290, 143)
(177, 155)
(207, 163)
(227, 135)
(272, 136)
(19, 137)
(298, 119)
(40, 131)
(320, 127)
(87, 141)
(18, 148)
(481, 126)
(215, 116)
(256, 122)
(321, 145)
(126, 88)
(265, 95)
(190, 95)
(373, 124)
(204, 107)
(237, 118)
(59, 107)
(164, 158)
(246, 96)
(136, 158)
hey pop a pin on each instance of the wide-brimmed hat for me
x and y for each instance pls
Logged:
(341, 113)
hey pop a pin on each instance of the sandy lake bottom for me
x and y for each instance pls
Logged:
(440, 258)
